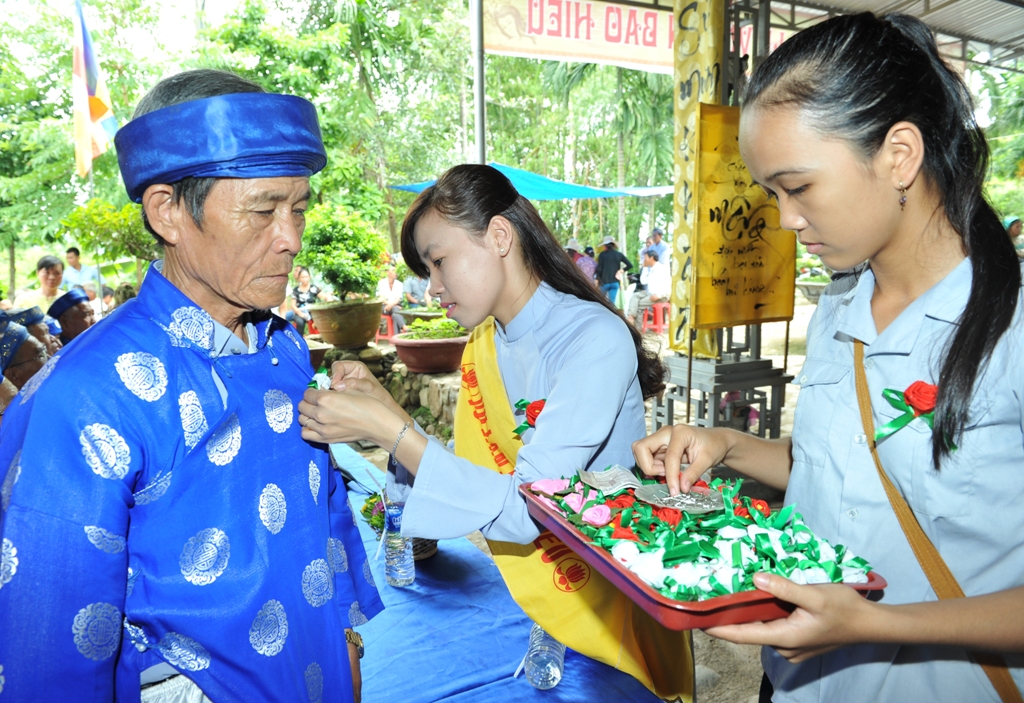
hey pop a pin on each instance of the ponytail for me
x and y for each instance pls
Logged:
(854, 76)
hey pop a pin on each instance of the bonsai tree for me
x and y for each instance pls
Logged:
(113, 233)
(343, 248)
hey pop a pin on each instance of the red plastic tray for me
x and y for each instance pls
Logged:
(735, 608)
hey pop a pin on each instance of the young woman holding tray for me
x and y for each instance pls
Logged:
(541, 332)
(868, 140)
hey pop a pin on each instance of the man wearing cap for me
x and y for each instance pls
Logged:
(242, 572)
(586, 264)
(74, 314)
(610, 264)
(21, 356)
(39, 325)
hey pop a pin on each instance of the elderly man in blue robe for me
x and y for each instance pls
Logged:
(73, 313)
(39, 325)
(167, 533)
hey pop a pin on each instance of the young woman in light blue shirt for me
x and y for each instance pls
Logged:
(868, 141)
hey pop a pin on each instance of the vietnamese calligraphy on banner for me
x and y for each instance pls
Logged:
(581, 30)
(744, 263)
(698, 72)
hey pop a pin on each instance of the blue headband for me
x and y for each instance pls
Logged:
(67, 301)
(53, 326)
(12, 336)
(26, 316)
(242, 135)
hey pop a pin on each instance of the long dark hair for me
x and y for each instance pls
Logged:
(470, 195)
(854, 77)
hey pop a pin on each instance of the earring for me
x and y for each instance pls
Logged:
(502, 250)
(903, 196)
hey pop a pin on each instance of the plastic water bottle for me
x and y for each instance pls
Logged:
(544, 659)
(399, 567)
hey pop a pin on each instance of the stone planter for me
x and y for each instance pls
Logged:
(411, 314)
(317, 350)
(811, 290)
(348, 324)
(429, 355)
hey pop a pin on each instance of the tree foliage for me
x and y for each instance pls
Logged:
(344, 249)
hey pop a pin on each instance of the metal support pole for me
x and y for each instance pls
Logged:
(476, 29)
(763, 37)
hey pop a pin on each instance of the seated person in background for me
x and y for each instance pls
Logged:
(415, 290)
(303, 295)
(124, 293)
(391, 292)
(37, 325)
(50, 272)
(21, 354)
(108, 299)
(656, 277)
(73, 312)
(94, 302)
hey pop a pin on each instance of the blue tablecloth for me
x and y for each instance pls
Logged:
(457, 635)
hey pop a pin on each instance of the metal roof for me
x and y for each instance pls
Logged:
(965, 27)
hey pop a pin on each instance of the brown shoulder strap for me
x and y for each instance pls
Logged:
(939, 576)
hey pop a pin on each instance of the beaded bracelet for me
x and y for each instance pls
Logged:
(400, 435)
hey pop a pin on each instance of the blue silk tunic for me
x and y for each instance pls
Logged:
(149, 516)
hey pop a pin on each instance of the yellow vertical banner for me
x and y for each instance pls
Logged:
(743, 264)
(697, 54)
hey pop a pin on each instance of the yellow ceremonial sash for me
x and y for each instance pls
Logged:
(559, 591)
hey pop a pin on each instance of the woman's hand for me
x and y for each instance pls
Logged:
(661, 454)
(826, 617)
(330, 417)
(354, 376)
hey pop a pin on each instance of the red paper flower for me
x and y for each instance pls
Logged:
(669, 516)
(532, 411)
(623, 501)
(700, 484)
(624, 533)
(761, 507)
(742, 512)
(921, 397)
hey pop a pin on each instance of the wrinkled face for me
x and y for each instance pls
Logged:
(7, 392)
(464, 272)
(72, 258)
(240, 260)
(50, 278)
(41, 332)
(842, 207)
(29, 358)
(76, 320)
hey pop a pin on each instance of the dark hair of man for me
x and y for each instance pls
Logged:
(73, 250)
(469, 196)
(854, 77)
(49, 262)
(652, 254)
(182, 88)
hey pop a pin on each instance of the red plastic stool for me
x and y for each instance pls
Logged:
(311, 328)
(391, 329)
(659, 312)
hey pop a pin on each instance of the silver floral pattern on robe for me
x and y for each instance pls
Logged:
(97, 631)
(104, 540)
(193, 324)
(105, 451)
(278, 408)
(37, 379)
(337, 558)
(270, 629)
(183, 652)
(225, 442)
(314, 481)
(154, 490)
(7, 487)
(205, 556)
(317, 583)
(273, 508)
(143, 374)
(314, 683)
(355, 615)
(193, 420)
(8, 561)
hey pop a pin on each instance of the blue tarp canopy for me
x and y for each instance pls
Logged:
(533, 186)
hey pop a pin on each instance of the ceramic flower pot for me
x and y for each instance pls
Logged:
(429, 355)
(349, 324)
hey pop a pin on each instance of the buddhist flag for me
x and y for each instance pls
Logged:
(95, 123)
